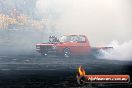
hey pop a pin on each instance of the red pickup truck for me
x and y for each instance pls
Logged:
(67, 46)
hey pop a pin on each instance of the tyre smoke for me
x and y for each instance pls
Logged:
(120, 52)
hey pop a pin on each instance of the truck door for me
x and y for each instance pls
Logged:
(82, 45)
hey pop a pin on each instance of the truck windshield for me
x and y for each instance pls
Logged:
(72, 38)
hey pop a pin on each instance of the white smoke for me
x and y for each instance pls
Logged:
(121, 52)
(100, 20)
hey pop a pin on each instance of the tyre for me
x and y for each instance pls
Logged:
(67, 53)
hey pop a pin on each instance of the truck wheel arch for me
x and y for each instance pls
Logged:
(67, 52)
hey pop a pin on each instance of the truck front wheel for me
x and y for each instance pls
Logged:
(67, 53)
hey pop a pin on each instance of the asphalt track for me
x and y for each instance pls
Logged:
(34, 71)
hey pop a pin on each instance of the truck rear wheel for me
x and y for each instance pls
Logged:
(67, 53)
